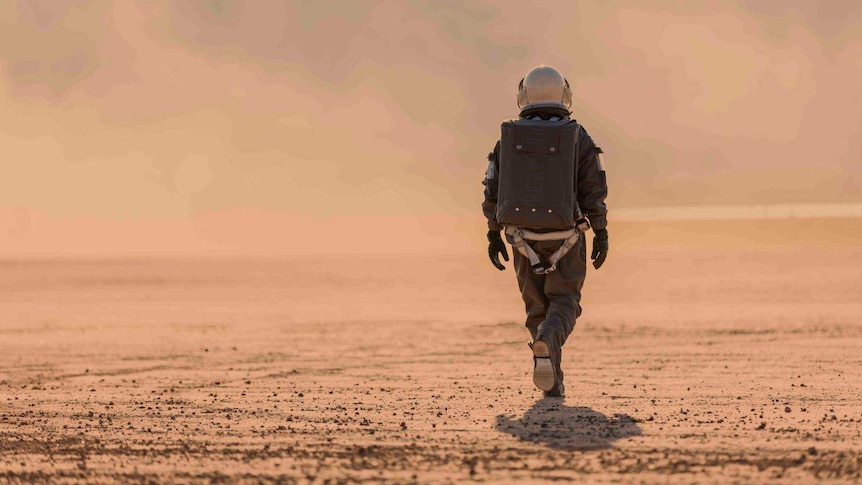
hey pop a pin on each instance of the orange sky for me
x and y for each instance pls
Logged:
(294, 127)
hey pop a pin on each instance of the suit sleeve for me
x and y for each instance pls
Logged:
(592, 182)
(492, 183)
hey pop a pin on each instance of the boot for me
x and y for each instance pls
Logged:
(547, 374)
(559, 390)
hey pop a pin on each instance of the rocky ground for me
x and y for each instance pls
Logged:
(694, 362)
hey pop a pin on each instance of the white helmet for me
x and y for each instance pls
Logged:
(544, 87)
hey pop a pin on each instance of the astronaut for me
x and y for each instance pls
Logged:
(544, 187)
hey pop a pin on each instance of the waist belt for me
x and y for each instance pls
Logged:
(519, 238)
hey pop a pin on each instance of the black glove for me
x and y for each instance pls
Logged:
(600, 248)
(495, 247)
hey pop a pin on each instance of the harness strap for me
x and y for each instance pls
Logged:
(525, 249)
(520, 237)
(547, 236)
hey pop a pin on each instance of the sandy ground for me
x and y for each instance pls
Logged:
(702, 357)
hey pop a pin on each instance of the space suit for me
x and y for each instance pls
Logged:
(545, 185)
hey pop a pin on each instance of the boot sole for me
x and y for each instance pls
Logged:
(543, 371)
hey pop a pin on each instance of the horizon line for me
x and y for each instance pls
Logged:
(737, 212)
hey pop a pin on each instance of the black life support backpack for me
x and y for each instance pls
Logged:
(537, 174)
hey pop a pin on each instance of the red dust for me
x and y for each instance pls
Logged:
(681, 369)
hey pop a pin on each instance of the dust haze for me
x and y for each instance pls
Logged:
(281, 128)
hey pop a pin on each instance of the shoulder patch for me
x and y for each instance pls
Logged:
(490, 173)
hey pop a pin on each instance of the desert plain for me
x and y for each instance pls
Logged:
(708, 352)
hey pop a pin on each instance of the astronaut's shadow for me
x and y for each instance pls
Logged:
(551, 423)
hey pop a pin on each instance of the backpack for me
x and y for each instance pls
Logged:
(537, 174)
